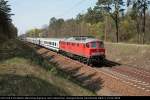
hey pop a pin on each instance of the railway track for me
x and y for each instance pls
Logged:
(133, 72)
(123, 80)
(129, 80)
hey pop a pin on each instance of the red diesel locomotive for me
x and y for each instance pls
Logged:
(87, 49)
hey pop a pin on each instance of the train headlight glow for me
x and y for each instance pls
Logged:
(97, 53)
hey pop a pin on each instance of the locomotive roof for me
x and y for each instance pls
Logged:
(82, 39)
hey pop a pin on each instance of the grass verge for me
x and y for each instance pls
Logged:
(25, 73)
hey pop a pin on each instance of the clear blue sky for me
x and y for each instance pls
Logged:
(36, 13)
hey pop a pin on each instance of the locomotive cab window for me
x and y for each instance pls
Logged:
(101, 44)
(94, 45)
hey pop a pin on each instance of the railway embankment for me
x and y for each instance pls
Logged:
(110, 79)
(25, 73)
(132, 55)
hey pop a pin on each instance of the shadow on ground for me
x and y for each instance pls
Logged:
(15, 85)
(109, 63)
(84, 79)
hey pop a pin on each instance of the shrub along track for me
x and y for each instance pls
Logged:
(120, 80)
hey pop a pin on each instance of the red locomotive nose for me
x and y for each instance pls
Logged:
(97, 49)
(97, 52)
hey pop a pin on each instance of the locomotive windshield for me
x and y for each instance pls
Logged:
(94, 45)
(97, 45)
(101, 45)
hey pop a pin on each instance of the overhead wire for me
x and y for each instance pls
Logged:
(73, 7)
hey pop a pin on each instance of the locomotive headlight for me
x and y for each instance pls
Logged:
(97, 53)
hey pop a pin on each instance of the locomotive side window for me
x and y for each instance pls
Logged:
(73, 44)
(87, 45)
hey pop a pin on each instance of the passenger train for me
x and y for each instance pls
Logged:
(86, 49)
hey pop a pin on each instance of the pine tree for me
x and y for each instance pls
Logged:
(5, 18)
(114, 8)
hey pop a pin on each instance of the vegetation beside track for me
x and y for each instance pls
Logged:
(25, 73)
(133, 55)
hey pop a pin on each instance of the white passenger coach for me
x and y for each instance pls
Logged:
(50, 43)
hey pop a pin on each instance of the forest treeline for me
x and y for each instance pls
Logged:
(7, 28)
(109, 20)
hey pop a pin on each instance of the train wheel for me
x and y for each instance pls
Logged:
(102, 62)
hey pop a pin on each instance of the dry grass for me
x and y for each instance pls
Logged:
(131, 54)
(24, 74)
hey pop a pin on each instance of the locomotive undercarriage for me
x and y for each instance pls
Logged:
(94, 60)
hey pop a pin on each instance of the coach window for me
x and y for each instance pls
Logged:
(78, 44)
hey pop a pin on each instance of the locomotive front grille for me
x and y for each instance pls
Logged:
(97, 58)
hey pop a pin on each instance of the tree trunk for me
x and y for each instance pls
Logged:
(106, 28)
(117, 19)
(117, 29)
(144, 23)
(138, 30)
